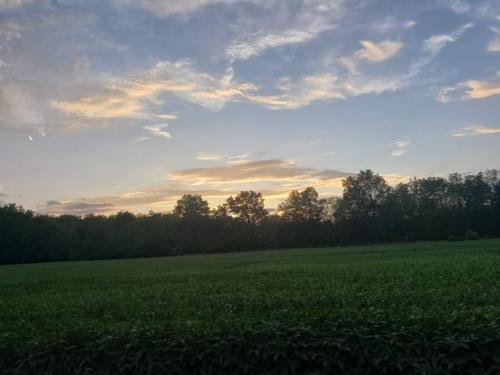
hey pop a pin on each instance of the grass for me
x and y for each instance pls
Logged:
(427, 285)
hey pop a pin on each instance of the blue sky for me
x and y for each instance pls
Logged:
(128, 104)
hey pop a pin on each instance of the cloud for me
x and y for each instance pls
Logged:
(443, 94)
(329, 86)
(436, 43)
(102, 107)
(21, 108)
(158, 130)
(36, 100)
(38, 77)
(274, 178)
(140, 139)
(77, 208)
(247, 49)
(230, 159)
(494, 45)
(372, 52)
(390, 24)
(481, 89)
(255, 171)
(398, 152)
(165, 8)
(209, 157)
(11, 4)
(401, 144)
(136, 95)
(457, 6)
(476, 130)
(401, 148)
(159, 8)
(326, 86)
(312, 19)
(296, 94)
(471, 89)
(376, 52)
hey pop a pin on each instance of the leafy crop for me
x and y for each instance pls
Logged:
(404, 308)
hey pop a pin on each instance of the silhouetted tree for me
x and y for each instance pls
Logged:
(302, 206)
(221, 212)
(422, 209)
(247, 206)
(364, 195)
(191, 206)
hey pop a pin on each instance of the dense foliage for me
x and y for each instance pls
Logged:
(326, 349)
(406, 308)
(369, 211)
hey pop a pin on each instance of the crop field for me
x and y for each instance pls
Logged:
(423, 307)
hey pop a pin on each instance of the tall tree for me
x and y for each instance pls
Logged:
(301, 206)
(190, 206)
(247, 206)
(364, 195)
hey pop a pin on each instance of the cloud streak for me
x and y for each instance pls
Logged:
(275, 178)
(313, 19)
(158, 130)
(255, 171)
(476, 130)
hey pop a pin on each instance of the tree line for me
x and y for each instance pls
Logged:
(434, 208)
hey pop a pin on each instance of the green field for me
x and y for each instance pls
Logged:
(452, 287)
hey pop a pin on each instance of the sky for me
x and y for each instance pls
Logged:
(129, 104)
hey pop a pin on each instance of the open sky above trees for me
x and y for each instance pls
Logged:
(128, 105)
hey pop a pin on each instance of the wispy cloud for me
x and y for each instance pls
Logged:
(245, 50)
(401, 148)
(205, 156)
(372, 52)
(165, 8)
(476, 130)
(230, 159)
(255, 171)
(140, 140)
(102, 107)
(158, 8)
(136, 95)
(158, 130)
(328, 86)
(80, 207)
(314, 18)
(391, 24)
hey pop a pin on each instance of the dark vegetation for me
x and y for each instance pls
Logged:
(335, 348)
(370, 211)
(405, 308)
